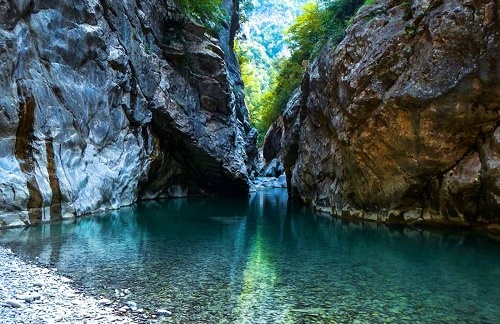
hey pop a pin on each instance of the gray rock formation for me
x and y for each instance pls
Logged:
(103, 103)
(400, 123)
(280, 140)
(269, 182)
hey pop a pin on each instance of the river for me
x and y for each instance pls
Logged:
(261, 260)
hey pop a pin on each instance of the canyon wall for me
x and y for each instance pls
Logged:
(400, 123)
(103, 103)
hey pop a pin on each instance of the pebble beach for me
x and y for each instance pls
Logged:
(33, 294)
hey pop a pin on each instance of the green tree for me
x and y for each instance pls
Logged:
(303, 35)
(253, 80)
(336, 17)
(318, 23)
(199, 8)
(207, 12)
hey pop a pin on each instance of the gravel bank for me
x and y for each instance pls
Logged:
(32, 294)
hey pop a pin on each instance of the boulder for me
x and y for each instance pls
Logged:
(400, 122)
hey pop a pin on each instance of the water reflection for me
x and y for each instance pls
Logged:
(259, 274)
(262, 260)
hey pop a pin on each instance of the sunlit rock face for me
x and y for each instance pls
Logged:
(400, 122)
(103, 103)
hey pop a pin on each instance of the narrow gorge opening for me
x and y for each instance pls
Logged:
(276, 42)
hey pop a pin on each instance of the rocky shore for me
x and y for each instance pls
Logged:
(269, 182)
(32, 294)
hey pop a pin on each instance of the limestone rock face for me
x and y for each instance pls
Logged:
(401, 121)
(103, 103)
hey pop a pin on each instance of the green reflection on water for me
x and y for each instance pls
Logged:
(259, 279)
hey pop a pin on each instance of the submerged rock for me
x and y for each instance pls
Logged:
(400, 123)
(163, 312)
(105, 103)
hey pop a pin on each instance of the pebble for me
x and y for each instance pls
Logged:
(13, 303)
(66, 280)
(104, 302)
(131, 304)
(29, 297)
(49, 298)
(36, 296)
(38, 283)
(70, 294)
(163, 312)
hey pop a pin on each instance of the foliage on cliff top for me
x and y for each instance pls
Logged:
(261, 38)
(199, 8)
(208, 12)
(321, 21)
(261, 45)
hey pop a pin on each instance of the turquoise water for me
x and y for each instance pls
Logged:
(260, 260)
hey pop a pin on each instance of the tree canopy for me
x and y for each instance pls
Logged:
(207, 12)
(319, 21)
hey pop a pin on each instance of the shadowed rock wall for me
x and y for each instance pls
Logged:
(401, 122)
(104, 102)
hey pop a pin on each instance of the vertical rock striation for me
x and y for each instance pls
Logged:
(106, 102)
(401, 122)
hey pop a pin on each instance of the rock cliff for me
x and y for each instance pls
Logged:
(105, 102)
(401, 121)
